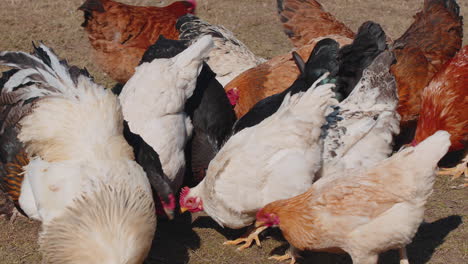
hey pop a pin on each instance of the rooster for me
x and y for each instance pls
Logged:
(364, 134)
(153, 103)
(64, 136)
(364, 212)
(434, 38)
(445, 107)
(229, 58)
(120, 33)
(305, 20)
(275, 159)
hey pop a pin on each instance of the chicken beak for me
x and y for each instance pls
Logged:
(259, 224)
(183, 210)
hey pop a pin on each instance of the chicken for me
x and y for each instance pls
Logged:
(364, 212)
(229, 58)
(268, 78)
(153, 105)
(323, 59)
(208, 108)
(275, 159)
(64, 134)
(368, 121)
(434, 38)
(305, 20)
(120, 33)
(445, 107)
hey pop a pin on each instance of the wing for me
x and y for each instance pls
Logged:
(305, 20)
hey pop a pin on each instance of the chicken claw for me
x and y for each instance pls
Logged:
(248, 240)
(457, 171)
(286, 256)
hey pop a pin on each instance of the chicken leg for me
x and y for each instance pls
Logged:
(403, 256)
(253, 236)
(457, 171)
(284, 257)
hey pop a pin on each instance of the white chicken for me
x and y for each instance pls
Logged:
(229, 58)
(364, 135)
(153, 105)
(276, 159)
(81, 180)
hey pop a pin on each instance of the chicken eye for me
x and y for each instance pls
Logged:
(189, 202)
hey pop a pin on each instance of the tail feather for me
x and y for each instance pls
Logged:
(35, 75)
(369, 42)
(48, 74)
(450, 5)
(377, 86)
(416, 167)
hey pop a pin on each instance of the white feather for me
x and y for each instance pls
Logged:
(273, 160)
(365, 134)
(153, 104)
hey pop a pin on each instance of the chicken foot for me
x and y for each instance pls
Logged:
(457, 171)
(253, 236)
(284, 257)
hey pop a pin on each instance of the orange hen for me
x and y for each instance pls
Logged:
(445, 107)
(434, 37)
(305, 20)
(269, 78)
(365, 211)
(120, 34)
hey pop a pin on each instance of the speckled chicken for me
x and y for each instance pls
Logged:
(368, 122)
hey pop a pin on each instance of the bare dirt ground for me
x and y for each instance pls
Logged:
(442, 239)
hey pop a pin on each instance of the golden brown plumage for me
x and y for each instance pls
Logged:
(14, 176)
(365, 211)
(434, 37)
(305, 20)
(445, 103)
(271, 77)
(120, 33)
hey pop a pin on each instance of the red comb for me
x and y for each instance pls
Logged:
(184, 192)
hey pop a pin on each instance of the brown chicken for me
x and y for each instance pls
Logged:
(305, 20)
(364, 212)
(268, 78)
(306, 23)
(434, 38)
(120, 34)
(445, 107)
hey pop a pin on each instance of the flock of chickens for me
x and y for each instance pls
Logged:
(336, 143)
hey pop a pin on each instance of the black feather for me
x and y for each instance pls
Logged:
(323, 59)
(164, 48)
(149, 160)
(209, 107)
(369, 42)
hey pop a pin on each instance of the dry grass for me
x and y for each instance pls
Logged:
(57, 23)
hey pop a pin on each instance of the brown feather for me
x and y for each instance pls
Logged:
(122, 33)
(305, 20)
(445, 103)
